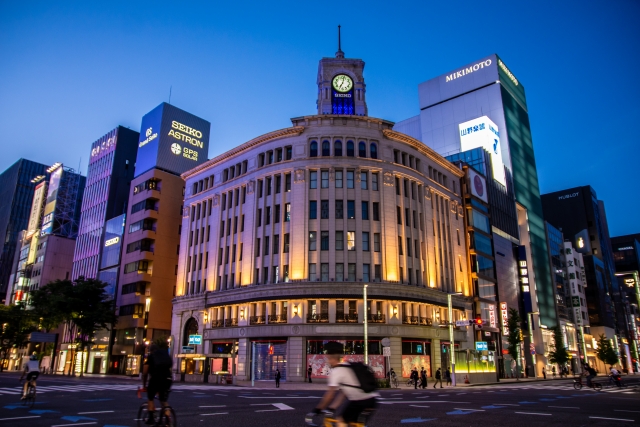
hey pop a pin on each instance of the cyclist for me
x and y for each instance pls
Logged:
(393, 378)
(158, 366)
(32, 369)
(343, 379)
(590, 373)
(615, 375)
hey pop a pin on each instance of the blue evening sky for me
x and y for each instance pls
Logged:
(71, 71)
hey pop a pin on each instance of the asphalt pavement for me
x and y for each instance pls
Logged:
(112, 402)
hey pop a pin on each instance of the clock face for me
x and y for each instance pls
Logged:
(342, 83)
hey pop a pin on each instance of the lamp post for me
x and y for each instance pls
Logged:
(366, 328)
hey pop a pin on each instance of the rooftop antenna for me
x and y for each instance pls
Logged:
(170, 87)
(339, 53)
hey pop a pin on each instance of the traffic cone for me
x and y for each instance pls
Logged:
(466, 379)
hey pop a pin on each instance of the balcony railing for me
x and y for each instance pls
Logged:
(219, 323)
(277, 318)
(230, 322)
(318, 318)
(376, 318)
(417, 320)
(347, 318)
(257, 320)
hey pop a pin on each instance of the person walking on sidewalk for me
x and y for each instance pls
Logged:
(309, 372)
(423, 377)
(553, 372)
(447, 376)
(278, 378)
(438, 378)
(414, 376)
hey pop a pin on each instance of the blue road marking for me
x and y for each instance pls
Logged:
(492, 407)
(460, 412)
(524, 402)
(43, 411)
(410, 420)
(75, 419)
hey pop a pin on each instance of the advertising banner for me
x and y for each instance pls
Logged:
(36, 209)
(172, 139)
(415, 361)
(482, 132)
(320, 367)
(52, 196)
(478, 185)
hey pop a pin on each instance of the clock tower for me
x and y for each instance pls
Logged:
(341, 88)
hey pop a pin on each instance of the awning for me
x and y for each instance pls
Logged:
(191, 356)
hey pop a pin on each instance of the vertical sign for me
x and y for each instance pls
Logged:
(482, 132)
(36, 209)
(52, 196)
(504, 311)
(492, 315)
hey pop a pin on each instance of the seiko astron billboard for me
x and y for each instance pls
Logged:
(172, 139)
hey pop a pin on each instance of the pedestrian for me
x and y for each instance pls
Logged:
(278, 378)
(309, 372)
(438, 378)
(423, 377)
(414, 377)
(447, 376)
(553, 372)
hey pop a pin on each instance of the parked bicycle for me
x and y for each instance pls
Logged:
(577, 384)
(166, 414)
(394, 380)
(410, 382)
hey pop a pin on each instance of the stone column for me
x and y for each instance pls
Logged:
(244, 359)
(296, 359)
(396, 356)
(436, 360)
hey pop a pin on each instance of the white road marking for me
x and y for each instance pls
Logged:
(96, 412)
(613, 419)
(532, 413)
(472, 410)
(19, 418)
(268, 410)
(565, 407)
(282, 406)
(420, 406)
(214, 406)
(76, 424)
(215, 413)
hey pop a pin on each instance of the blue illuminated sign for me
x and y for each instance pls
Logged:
(195, 339)
(482, 346)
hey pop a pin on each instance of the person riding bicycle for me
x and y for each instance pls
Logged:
(615, 374)
(158, 366)
(343, 379)
(590, 373)
(32, 369)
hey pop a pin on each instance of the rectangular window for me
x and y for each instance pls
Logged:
(365, 210)
(351, 209)
(276, 215)
(312, 273)
(324, 240)
(374, 181)
(376, 242)
(366, 273)
(415, 219)
(324, 273)
(287, 182)
(351, 273)
(339, 240)
(287, 212)
(350, 179)
(276, 244)
(397, 186)
(286, 243)
(365, 241)
(257, 247)
(399, 215)
(267, 215)
(408, 246)
(364, 177)
(259, 218)
(324, 179)
(242, 224)
(313, 209)
(313, 179)
(339, 178)
(376, 211)
(339, 272)
(324, 209)
(400, 251)
(339, 209)
(377, 272)
(278, 183)
(268, 185)
(351, 240)
(313, 235)
(416, 247)
(407, 217)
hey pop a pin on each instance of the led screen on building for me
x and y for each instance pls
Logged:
(52, 196)
(36, 210)
(112, 242)
(172, 139)
(482, 132)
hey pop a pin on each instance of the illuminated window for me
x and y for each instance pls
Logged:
(351, 240)
(313, 235)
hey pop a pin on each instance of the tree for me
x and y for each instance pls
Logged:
(559, 354)
(606, 352)
(16, 323)
(515, 335)
(50, 304)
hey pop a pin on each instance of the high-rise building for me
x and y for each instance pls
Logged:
(172, 141)
(483, 104)
(111, 168)
(16, 192)
(581, 217)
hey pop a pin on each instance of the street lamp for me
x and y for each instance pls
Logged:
(366, 328)
(452, 351)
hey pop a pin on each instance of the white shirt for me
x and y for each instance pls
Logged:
(343, 377)
(32, 366)
(614, 371)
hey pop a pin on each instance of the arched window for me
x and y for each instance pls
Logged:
(337, 149)
(313, 151)
(373, 149)
(362, 149)
(350, 149)
(190, 328)
(326, 148)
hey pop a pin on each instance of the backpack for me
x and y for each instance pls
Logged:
(365, 376)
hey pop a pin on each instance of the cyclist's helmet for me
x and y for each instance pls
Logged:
(33, 357)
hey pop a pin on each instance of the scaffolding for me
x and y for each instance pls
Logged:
(65, 222)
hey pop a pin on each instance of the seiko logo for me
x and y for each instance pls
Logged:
(626, 248)
(342, 95)
(112, 241)
(468, 70)
(507, 72)
(568, 196)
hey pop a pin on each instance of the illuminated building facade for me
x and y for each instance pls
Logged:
(280, 235)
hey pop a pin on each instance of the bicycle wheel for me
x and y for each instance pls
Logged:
(577, 386)
(142, 415)
(168, 417)
(409, 383)
(597, 386)
(395, 383)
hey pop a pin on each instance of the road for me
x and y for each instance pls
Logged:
(67, 402)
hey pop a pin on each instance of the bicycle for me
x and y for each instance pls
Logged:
(616, 380)
(577, 384)
(326, 419)
(394, 381)
(30, 397)
(167, 416)
(410, 382)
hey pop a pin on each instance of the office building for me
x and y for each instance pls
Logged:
(111, 168)
(16, 193)
(281, 234)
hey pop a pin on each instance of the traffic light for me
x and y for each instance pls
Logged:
(478, 322)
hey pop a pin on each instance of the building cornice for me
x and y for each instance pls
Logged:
(424, 149)
(281, 133)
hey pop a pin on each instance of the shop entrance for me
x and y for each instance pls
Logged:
(97, 363)
(270, 356)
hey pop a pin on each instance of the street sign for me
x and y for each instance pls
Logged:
(386, 342)
(187, 349)
(195, 339)
(464, 322)
(482, 346)
(386, 351)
